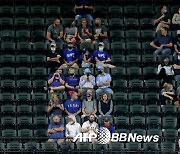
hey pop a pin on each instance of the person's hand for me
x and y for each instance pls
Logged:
(80, 7)
(87, 30)
(70, 63)
(77, 87)
(85, 77)
(86, 7)
(81, 40)
(161, 46)
(162, 16)
(171, 98)
(175, 66)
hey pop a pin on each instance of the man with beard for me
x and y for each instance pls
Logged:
(90, 126)
(55, 32)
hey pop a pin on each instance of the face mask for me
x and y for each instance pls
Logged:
(53, 49)
(97, 24)
(71, 122)
(56, 123)
(99, 71)
(164, 11)
(88, 94)
(70, 48)
(101, 48)
(71, 74)
(76, 97)
(91, 121)
(178, 57)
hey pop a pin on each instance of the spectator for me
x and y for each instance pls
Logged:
(84, 32)
(83, 9)
(100, 32)
(53, 57)
(176, 20)
(177, 102)
(70, 57)
(87, 80)
(56, 131)
(176, 67)
(177, 44)
(162, 44)
(103, 81)
(87, 59)
(165, 71)
(73, 106)
(56, 81)
(55, 32)
(89, 105)
(102, 57)
(167, 94)
(72, 81)
(105, 106)
(107, 124)
(162, 19)
(72, 128)
(90, 126)
(70, 32)
(55, 106)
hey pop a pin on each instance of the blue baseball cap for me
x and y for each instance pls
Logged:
(87, 70)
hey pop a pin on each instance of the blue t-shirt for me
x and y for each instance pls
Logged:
(72, 106)
(70, 56)
(56, 135)
(72, 81)
(90, 56)
(101, 55)
(56, 81)
(163, 40)
(111, 128)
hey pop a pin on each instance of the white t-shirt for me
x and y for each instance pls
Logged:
(73, 130)
(87, 124)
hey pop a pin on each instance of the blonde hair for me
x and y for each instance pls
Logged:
(53, 95)
(167, 86)
(72, 117)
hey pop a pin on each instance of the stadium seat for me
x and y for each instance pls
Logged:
(115, 23)
(139, 131)
(116, 35)
(121, 110)
(23, 97)
(23, 85)
(24, 110)
(24, 122)
(30, 146)
(6, 9)
(8, 122)
(121, 122)
(38, 60)
(40, 122)
(38, 85)
(150, 146)
(25, 134)
(153, 122)
(22, 9)
(133, 146)
(86, 146)
(66, 146)
(169, 122)
(120, 85)
(116, 146)
(137, 122)
(37, 9)
(24, 46)
(132, 35)
(134, 72)
(151, 97)
(6, 97)
(6, 21)
(153, 110)
(39, 72)
(49, 146)
(146, 10)
(170, 135)
(154, 131)
(7, 35)
(8, 110)
(168, 147)
(120, 97)
(7, 46)
(131, 23)
(137, 110)
(135, 85)
(7, 85)
(21, 22)
(40, 110)
(118, 71)
(14, 146)
(53, 10)
(169, 110)
(23, 59)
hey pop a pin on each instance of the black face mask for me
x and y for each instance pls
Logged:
(70, 48)
(99, 71)
(71, 74)
(56, 123)
(96, 25)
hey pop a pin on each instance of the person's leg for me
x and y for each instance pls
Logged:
(166, 52)
(160, 25)
(108, 90)
(177, 77)
(63, 66)
(89, 17)
(50, 140)
(75, 65)
(59, 141)
(109, 66)
(157, 52)
(78, 17)
(99, 91)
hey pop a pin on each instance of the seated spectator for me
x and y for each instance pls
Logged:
(176, 20)
(107, 124)
(73, 105)
(89, 105)
(53, 57)
(165, 71)
(162, 44)
(105, 106)
(56, 131)
(177, 44)
(84, 32)
(56, 81)
(72, 128)
(100, 32)
(87, 58)
(162, 19)
(102, 57)
(90, 126)
(83, 9)
(167, 94)
(87, 80)
(55, 32)
(55, 106)
(176, 67)
(70, 56)
(103, 81)
(177, 100)
(72, 81)
(70, 32)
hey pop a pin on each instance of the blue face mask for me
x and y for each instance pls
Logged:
(88, 95)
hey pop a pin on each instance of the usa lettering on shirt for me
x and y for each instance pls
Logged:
(70, 55)
(101, 55)
(73, 105)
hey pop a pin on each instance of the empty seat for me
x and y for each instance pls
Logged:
(40, 110)
(137, 110)
(23, 97)
(53, 10)
(169, 110)
(37, 22)
(137, 122)
(7, 85)
(23, 35)
(30, 146)
(134, 72)
(121, 110)
(24, 46)
(23, 85)
(22, 9)
(150, 146)
(39, 72)
(8, 110)
(49, 146)
(37, 9)
(169, 122)
(24, 122)
(25, 134)
(154, 131)
(168, 147)
(121, 122)
(6, 97)
(154, 122)
(115, 22)
(8, 46)
(6, 9)
(14, 146)
(120, 85)
(23, 59)
(6, 21)
(84, 146)
(133, 146)
(153, 109)
(21, 22)
(9, 133)
(131, 23)
(23, 72)
(120, 97)
(8, 122)
(24, 110)
(40, 122)
(135, 85)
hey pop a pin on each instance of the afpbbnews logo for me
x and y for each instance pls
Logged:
(104, 136)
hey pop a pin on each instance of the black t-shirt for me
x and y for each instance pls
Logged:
(84, 3)
(55, 110)
(51, 54)
(83, 34)
(167, 16)
(177, 42)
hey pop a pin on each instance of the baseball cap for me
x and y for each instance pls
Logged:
(178, 31)
(106, 119)
(100, 67)
(53, 44)
(70, 42)
(101, 43)
(87, 70)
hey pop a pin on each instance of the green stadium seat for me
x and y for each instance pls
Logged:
(37, 9)
(38, 85)
(40, 122)
(169, 110)
(170, 135)
(7, 60)
(7, 46)
(149, 72)
(8, 110)
(66, 146)
(137, 122)
(115, 23)
(122, 131)
(39, 72)
(65, 21)
(25, 135)
(23, 85)
(6, 97)
(118, 47)
(154, 132)
(153, 122)
(24, 110)
(139, 131)
(150, 146)
(49, 20)
(115, 9)
(118, 71)
(152, 85)
(131, 23)
(133, 47)
(116, 35)
(14, 146)
(21, 9)
(9, 133)
(132, 34)
(119, 97)
(7, 85)
(23, 35)
(40, 110)
(149, 60)
(6, 21)
(24, 46)
(86, 146)
(146, 10)
(30, 146)
(99, 10)
(120, 85)
(8, 122)
(86, 45)
(38, 22)
(6, 9)
(134, 72)
(21, 21)
(153, 110)
(38, 35)
(130, 9)
(147, 35)
(7, 35)
(23, 72)
(23, 59)
(135, 85)
(133, 60)
(39, 46)
(121, 122)
(38, 60)
(137, 110)
(146, 23)
(53, 10)
(49, 146)
(147, 49)
(121, 110)
(151, 97)
(133, 146)
(24, 122)
(116, 146)
(38, 96)
(169, 122)
(174, 8)
(168, 147)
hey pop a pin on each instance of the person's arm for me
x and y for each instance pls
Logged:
(78, 7)
(82, 81)
(60, 129)
(79, 37)
(99, 108)
(67, 86)
(61, 107)
(79, 111)
(103, 34)
(168, 22)
(68, 113)
(50, 108)
(153, 45)
(95, 107)
(51, 79)
(175, 48)
(167, 45)
(88, 32)
(92, 80)
(158, 19)
(174, 19)
(52, 130)
(166, 95)
(176, 66)
(170, 93)
(83, 108)
(48, 36)
(159, 68)
(60, 35)
(110, 110)
(67, 131)
(97, 60)
(108, 60)
(85, 130)
(88, 7)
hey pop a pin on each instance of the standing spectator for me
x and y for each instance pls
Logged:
(100, 32)
(70, 56)
(165, 71)
(70, 32)
(55, 32)
(107, 124)
(56, 81)
(177, 44)
(55, 106)
(105, 106)
(103, 81)
(53, 57)
(56, 131)
(83, 9)
(72, 128)
(176, 20)
(87, 58)
(167, 94)
(102, 57)
(87, 80)
(73, 105)
(84, 32)
(177, 101)
(163, 43)
(162, 19)
(72, 81)
(90, 126)
(89, 105)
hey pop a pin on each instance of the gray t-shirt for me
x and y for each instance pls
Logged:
(55, 31)
(70, 31)
(89, 106)
(100, 29)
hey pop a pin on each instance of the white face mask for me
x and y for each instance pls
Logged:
(53, 49)
(178, 57)
(101, 48)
